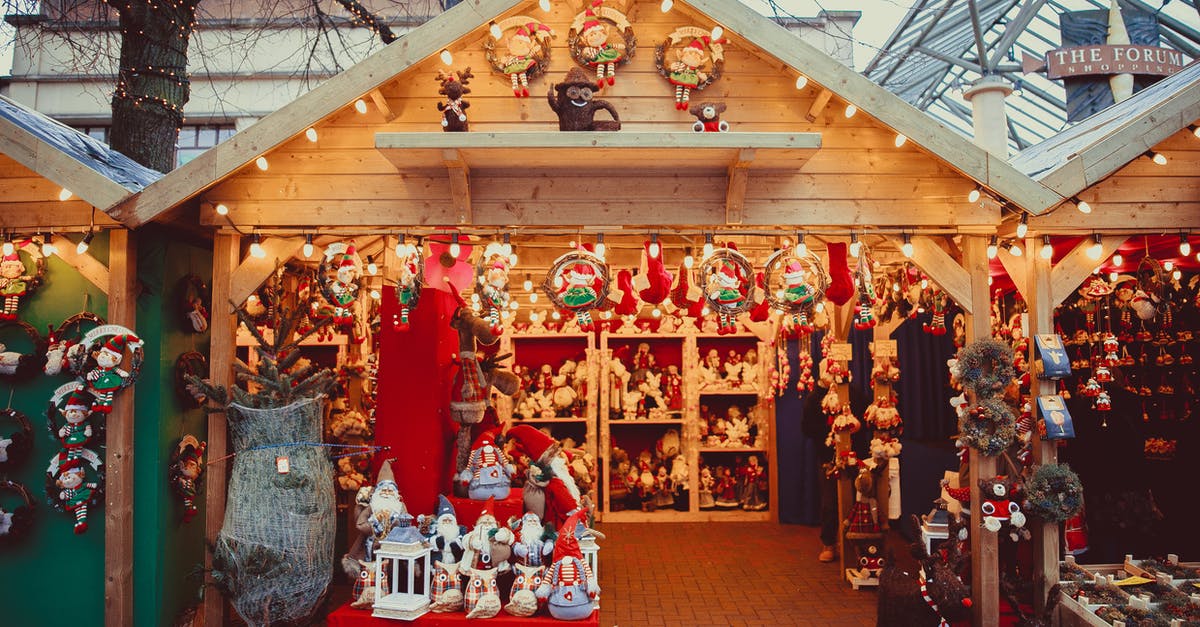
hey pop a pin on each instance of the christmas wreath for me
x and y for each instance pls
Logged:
(22, 365)
(1054, 493)
(795, 284)
(989, 428)
(15, 447)
(578, 282)
(985, 367)
(187, 365)
(64, 346)
(16, 280)
(15, 524)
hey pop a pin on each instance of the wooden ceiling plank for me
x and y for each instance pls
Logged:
(1070, 271)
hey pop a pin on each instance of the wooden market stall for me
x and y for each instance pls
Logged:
(813, 148)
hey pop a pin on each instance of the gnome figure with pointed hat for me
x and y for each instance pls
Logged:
(107, 377)
(569, 587)
(488, 472)
(447, 541)
(488, 547)
(550, 492)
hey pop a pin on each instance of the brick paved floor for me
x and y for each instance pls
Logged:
(723, 574)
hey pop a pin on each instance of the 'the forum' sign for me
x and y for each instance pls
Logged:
(1105, 59)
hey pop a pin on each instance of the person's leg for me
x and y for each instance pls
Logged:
(829, 519)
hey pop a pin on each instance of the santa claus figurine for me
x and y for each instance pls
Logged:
(488, 473)
(447, 541)
(533, 548)
(387, 509)
(569, 587)
(488, 547)
(107, 378)
(550, 492)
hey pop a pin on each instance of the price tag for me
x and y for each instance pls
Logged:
(282, 465)
(1132, 581)
(886, 348)
(841, 351)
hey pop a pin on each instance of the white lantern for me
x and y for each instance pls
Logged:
(407, 555)
(591, 556)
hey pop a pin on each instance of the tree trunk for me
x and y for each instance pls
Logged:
(152, 84)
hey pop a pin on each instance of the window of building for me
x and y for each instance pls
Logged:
(193, 138)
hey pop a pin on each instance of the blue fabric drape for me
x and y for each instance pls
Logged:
(924, 389)
(797, 455)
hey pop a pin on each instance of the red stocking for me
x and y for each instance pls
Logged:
(653, 282)
(762, 310)
(841, 284)
(629, 303)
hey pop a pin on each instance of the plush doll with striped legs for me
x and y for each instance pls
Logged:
(528, 48)
(75, 492)
(597, 52)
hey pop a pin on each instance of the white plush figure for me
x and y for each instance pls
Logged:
(651, 389)
(564, 394)
(733, 372)
(750, 368)
(679, 470)
(737, 431)
(9, 360)
(710, 368)
(1143, 305)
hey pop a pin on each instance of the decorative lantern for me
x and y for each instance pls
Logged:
(404, 592)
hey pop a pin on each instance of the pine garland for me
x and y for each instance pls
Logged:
(1054, 493)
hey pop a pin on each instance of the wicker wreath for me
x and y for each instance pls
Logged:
(15, 525)
(689, 36)
(794, 283)
(1054, 493)
(722, 264)
(15, 447)
(63, 341)
(94, 461)
(989, 428)
(985, 367)
(327, 271)
(22, 365)
(539, 36)
(491, 275)
(411, 264)
(557, 283)
(190, 364)
(54, 409)
(606, 15)
(81, 362)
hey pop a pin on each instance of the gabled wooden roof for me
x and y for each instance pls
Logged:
(780, 49)
(41, 157)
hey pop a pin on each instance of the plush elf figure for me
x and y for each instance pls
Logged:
(344, 288)
(522, 57)
(685, 72)
(578, 292)
(74, 493)
(730, 293)
(408, 284)
(75, 434)
(569, 587)
(186, 471)
(488, 472)
(596, 51)
(14, 283)
(937, 324)
(107, 378)
(533, 548)
(493, 285)
(550, 491)
(488, 548)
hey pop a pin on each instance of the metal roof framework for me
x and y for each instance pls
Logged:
(933, 55)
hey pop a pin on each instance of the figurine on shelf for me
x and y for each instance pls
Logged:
(185, 472)
(726, 490)
(737, 429)
(590, 28)
(387, 509)
(653, 404)
(672, 383)
(488, 547)
(752, 477)
(717, 431)
(679, 479)
(642, 360)
(664, 489)
(619, 486)
(454, 109)
(733, 369)
(549, 491)
(707, 483)
(708, 117)
(750, 369)
(710, 369)
(570, 587)
(571, 100)
(533, 548)
(488, 473)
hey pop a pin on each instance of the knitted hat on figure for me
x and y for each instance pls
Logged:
(385, 476)
(567, 545)
(539, 446)
(488, 512)
(444, 508)
(116, 344)
(347, 258)
(78, 400)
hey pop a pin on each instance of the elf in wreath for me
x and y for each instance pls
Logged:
(522, 57)
(14, 283)
(344, 288)
(685, 72)
(579, 293)
(569, 587)
(74, 492)
(729, 294)
(77, 432)
(106, 379)
(408, 287)
(596, 51)
(185, 473)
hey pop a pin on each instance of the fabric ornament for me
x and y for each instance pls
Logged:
(340, 277)
(761, 311)
(16, 523)
(864, 284)
(446, 592)
(937, 322)
(69, 489)
(487, 551)
(194, 301)
(653, 281)
(453, 85)
(577, 283)
(685, 293)
(74, 405)
(363, 592)
(694, 65)
(106, 378)
(16, 280)
(794, 284)
(570, 588)
(187, 466)
(590, 41)
(629, 304)
(805, 382)
(526, 53)
(22, 365)
(1000, 507)
(841, 282)
(533, 548)
(491, 276)
(15, 446)
(727, 280)
(409, 281)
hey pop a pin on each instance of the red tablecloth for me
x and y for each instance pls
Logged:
(467, 511)
(345, 616)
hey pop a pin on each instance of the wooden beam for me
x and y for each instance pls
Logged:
(1117, 216)
(1041, 320)
(118, 458)
(222, 344)
(985, 557)
(381, 103)
(460, 184)
(253, 271)
(818, 105)
(95, 272)
(1071, 270)
(735, 193)
(942, 269)
(48, 215)
(1015, 267)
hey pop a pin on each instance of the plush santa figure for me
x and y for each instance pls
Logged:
(533, 548)
(550, 492)
(447, 541)
(488, 473)
(569, 587)
(487, 552)
(107, 378)
(387, 508)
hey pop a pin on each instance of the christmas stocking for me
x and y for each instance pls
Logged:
(629, 304)
(653, 282)
(685, 294)
(762, 310)
(841, 283)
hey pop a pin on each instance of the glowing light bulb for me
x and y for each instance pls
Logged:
(311, 134)
(801, 81)
(708, 249)
(1096, 249)
(1158, 158)
(64, 194)
(717, 32)
(778, 293)
(222, 210)
(446, 57)
(801, 247)
(1113, 276)
(256, 249)
(533, 317)
(900, 140)
(654, 247)
(360, 105)
(666, 5)
(1177, 275)
(850, 111)
(494, 31)
(1118, 260)
(556, 315)
(820, 308)
(1015, 250)
(1023, 226)
(512, 260)
(8, 248)
(1083, 206)
(974, 195)
(895, 286)
(656, 312)
(1185, 247)
(514, 305)
(855, 246)
(375, 294)
(1047, 251)
(705, 310)
(528, 284)
(48, 248)
(992, 248)
(455, 250)
(1196, 131)
(533, 297)
(688, 261)
(572, 244)
(924, 284)
(372, 268)
(1168, 265)
(545, 6)
(990, 281)
(82, 247)
(308, 246)
(262, 164)
(907, 247)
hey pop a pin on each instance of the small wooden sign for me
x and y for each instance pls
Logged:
(841, 351)
(886, 348)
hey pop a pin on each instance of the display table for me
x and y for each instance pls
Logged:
(467, 511)
(345, 616)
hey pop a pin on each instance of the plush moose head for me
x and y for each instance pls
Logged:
(454, 109)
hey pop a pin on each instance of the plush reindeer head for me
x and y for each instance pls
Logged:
(454, 84)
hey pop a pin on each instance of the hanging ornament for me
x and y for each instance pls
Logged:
(577, 282)
(340, 275)
(16, 278)
(411, 264)
(491, 275)
(589, 41)
(64, 342)
(187, 365)
(805, 382)
(525, 54)
(690, 59)
(727, 280)
(16, 364)
(864, 284)
(794, 284)
(70, 420)
(194, 301)
(937, 322)
(15, 446)
(75, 483)
(187, 467)
(102, 373)
(15, 524)
(685, 293)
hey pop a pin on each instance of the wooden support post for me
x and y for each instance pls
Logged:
(985, 559)
(735, 193)
(222, 343)
(381, 103)
(85, 264)
(118, 459)
(1072, 269)
(818, 105)
(460, 185)
(1016, 267)
(1041, 320)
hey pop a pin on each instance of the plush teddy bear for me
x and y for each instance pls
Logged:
(708, 117)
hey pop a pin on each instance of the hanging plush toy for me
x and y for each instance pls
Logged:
(653, 281)
(106, 378)
(491, 274)
(534, 548)
(937, 323)
(409, 281)
(695, 65)
(194, 297)
(728, 284)
(76, 431)
(794, 285)
(17, 364)
(454, 109)
(15, 278)
(64, 343)
(841, 282)
(864, 283)
(526, 52)
(588, 41)
(187, 466)
(999, 507)
(340, 273)
(68, 487)
(577, 282)
(570, 587)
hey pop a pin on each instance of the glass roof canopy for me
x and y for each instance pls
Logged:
(933, 55)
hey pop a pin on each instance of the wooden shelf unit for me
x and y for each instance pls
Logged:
(762, 414)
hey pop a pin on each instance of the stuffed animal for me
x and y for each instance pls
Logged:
(488, 547)
(454, 109)
(187, 466)
(365, 586)
(708, 117)
(1000, 507)
(590, 47)
(549, 492)
(571, 100)
(533, 549)
(707, 483)
(932, 594)
(488, 473)
(752, 477)
(570, 588)
(864, 519)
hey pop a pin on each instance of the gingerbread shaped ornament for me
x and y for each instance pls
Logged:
(594, 44)
(690, 59)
